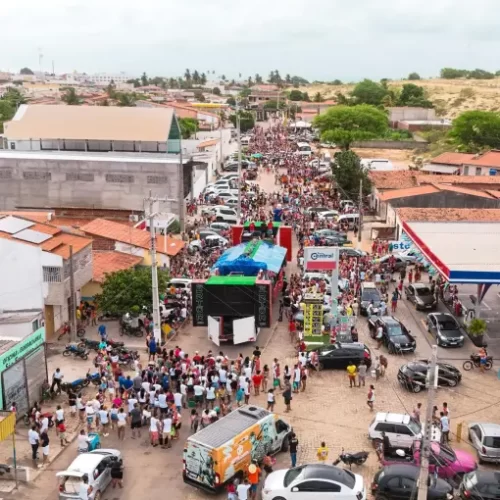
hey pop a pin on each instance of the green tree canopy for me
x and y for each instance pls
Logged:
(452, 73)
(130, 289)
(413, 95)
(369, 92)
(318, 97)
(7, 111)
(273, 105)
(345, 124)
(480, 74)
(189, 127)
(26, 71)
(70, 97)
(247, 120)
(198, 95)
(474, 130)
(125, 100)
(144, 79)
(295, 95)
(231, 101)
(216, 91)
(413, 76)
(349, 173)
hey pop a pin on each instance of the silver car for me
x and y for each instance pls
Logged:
(485, 437)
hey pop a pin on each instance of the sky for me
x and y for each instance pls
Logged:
(316, 39)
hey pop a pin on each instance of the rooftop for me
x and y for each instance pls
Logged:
(90, 122)
(452, 158)
(110, 262)
(407, 192)
(464, 252)
(449, 214)
(489, 159)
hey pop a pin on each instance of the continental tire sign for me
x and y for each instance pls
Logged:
(199, 295)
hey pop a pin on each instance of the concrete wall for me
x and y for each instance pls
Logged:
(474, 170)
(410, 113)
(85, 183)
(390, 144)
(96, 146)
(19, 330)
(21, 283)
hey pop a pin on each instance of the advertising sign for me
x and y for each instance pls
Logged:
(198, 293)
(321, 258)
(18, 351)
(399, 246)
(263, 304)
(313, 314)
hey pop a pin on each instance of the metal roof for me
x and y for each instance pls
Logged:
(12, 225)
(463, 252)
(98, 123)
(230, 426)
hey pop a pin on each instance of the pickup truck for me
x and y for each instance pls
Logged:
(448, 462)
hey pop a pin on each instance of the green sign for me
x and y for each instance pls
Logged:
(18, 351)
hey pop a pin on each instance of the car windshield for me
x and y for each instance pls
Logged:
(292, 475)
(423, 292)
(394, 330)
(492, 441)
(369, 295)
(414, 426)
(407, 370)
(448, 324)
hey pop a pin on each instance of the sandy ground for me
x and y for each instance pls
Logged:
(400, 158)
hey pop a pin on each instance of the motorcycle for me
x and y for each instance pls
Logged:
(94, 344)
(78, 384)
(475, 361)
(352, 458)
(80, 332)
(133, 331)
(125, 357)
(77, 352)
(27, 417)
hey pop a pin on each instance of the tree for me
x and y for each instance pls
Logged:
(413, 76)
(125, 100)
(7, 112)
(187, 75)
(245, 92)
(216, 91)
(26, 71)
(14, 97)
(258, 79)
(198, 95)
(288, 79)
(480, 74)
(337, 82)
(318, 97)
(124, 291)
(203, 79)
(305, 96)
(144, 79)
(250, 81)
(295, 95)
(111, 90)
(231, 101)
(247, 120)
(413, 95)
(135, 81)
(273, 105)
(452, 73)
(196, 77)
(70, 97)
(345, 124)
(497, 73)
(223, 78)
(369, 92)
(349, 172)
(189, 127)
(477, 129)
(298, 80)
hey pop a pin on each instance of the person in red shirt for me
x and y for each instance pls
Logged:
(257, 381)
(251, 227)
(292, 329)
(196, 357)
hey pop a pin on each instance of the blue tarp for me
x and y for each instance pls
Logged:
(267, 257)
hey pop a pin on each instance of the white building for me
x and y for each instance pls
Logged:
(107, 78)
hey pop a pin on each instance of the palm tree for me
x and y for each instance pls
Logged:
(258, 79)
(125, 100)
(144, 79)
(318, 97)
(203, 79)
(187, 75)
(223, 78)
(196, 77)
(70, 97)
(172, 83)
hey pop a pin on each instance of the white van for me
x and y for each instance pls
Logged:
(352, 220)
(304, 149)
(377, 164)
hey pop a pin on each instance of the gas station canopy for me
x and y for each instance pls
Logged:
(463, 252)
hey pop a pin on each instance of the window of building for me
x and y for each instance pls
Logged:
(35, 325)
(478, 170)
(12, 145)
(36, 175)
(77, 176)
(466, 170)
(52, 274)
(120, 178)
(157, 179)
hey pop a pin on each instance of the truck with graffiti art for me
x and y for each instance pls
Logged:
(223, 451)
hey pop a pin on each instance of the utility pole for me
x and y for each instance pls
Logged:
(180, 193)
(221, 147)
(72, 304)
(425, 447)
(360, 210)
(238, 130)
(154, 265)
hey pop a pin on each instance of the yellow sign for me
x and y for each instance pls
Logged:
(313, 315)
(7, 424)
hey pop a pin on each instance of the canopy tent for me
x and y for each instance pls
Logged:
(299, 124)
(250, 258)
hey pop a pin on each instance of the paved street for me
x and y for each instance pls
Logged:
(329, 410)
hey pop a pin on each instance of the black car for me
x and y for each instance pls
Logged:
(480, 485)
(339, 355)
(421, 296)
(367, 296)
(333, 241)
(413, 376)
(351, 252)
(399, 482)
(446, 329)
(395, 336)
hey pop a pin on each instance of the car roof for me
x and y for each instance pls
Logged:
(392, 418)
(405, 470)
(86, 462)
(490, 429)
(420, 285)
(389, 320)
(330, 472)
(440, 315)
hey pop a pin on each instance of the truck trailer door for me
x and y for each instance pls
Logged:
(244, 330)
(214, 330)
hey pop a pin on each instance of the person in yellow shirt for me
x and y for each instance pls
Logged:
(322, 452)
(351, 373)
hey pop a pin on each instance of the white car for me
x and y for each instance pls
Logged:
(314, 482)
(96, 465)
(212, 188)
(329, 214)
(231, 202)
(229, 177)
(180, 283)
(226, 214)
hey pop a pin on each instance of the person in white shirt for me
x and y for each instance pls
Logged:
(85, 489)
(167, 430)
(89, 414)
(198, 394)
(122, 422)
(178, 400)
(153, 430)
(146, 385)
(131, 403)
(183, 389)
(82, 442)
(34, 441)
(242, 490)
(104, 420)
(44, 425)
(210, 396)
(162, 402)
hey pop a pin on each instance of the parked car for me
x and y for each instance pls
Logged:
(210, 210)
(218, 227)
(480, 485)
(96, 465)
(400, 261)
(339, 355)
(368, 294)
(485, 438)
(443, 460)
(413, 376)
(231, 202)
(421, 296)
(351, 252)
(400, 429)
(314, 481)
(399, 482)
(330, 233)
(223, 195)
(446, 329)
(226, 214)
(316, 209)
(395, 336)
